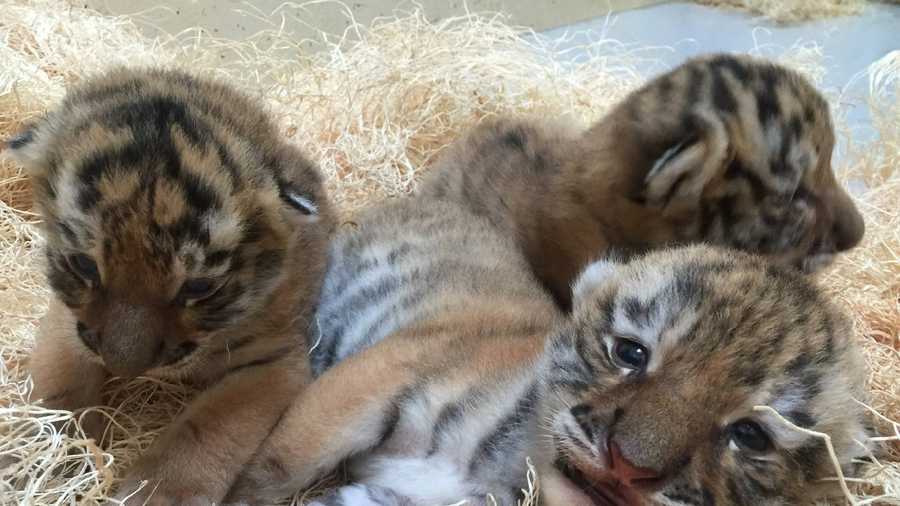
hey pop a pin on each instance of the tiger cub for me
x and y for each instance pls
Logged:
(442, 365)
(184, 240)
(725, 149)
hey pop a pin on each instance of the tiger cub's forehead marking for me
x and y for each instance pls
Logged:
(655, 306)
(165, 171)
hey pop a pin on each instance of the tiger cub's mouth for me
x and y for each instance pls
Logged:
(600, 492)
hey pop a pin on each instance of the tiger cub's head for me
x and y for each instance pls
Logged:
(730, 150)
(656, 388)
(172, 212)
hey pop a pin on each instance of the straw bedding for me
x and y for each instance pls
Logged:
(374, 109)
(791, 11)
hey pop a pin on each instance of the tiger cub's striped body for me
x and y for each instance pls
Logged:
(442, 364)
(185, 240)
(723, 149)
(423, 275)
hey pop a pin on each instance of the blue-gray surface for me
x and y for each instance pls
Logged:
(850, 44)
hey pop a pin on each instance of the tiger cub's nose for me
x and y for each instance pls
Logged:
(626, 472)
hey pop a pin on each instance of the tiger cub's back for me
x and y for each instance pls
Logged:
(406, 262)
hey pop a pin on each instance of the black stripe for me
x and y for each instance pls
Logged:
(735, 494)
(449, 415)
(707, 218)
(694, 85)
(271, 358)
(682, 498)
(46, 186)
(801, 418)
(398, 253)
(752, 374)
(735, 66)
(723, 99)
(506, 432)
(514, 138)
(582, 350)
(21, 140)
(780, 165)
(808, 458)
(569, 384)
(64, 282)
(198, 194)
(737, 169)
(152, 117)
(393, 413)
(68, 233)
(767, 107)
(809, 114)
(267, 265)
(795, 127)
(230, 165)
(708, 498)
(87, 337)
(189, 228)
(216, 258)
(93, 168)
(577, 441)
(391, 282)
(582, 413)
(638, 313)
(664, 86)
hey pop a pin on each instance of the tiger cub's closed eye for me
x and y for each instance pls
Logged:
(197, 289)
(85, 267)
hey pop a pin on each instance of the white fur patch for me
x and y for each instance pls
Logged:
(593, 276)
(30, 148)
(773, 137)
(424, 480)
(224, 229)
(663, 160)
(303, 203)
(643, 288)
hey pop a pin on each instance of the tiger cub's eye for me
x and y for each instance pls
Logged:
(748, 435)
(630, 354)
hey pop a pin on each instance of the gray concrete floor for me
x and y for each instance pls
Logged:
(850, 44)
(223, 18)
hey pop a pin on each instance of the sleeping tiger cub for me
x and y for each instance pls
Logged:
(442, 364)
(724, 149)
(184, 240)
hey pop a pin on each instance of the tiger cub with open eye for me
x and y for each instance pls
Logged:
(184, 240)
(724, 149)
(442, 364)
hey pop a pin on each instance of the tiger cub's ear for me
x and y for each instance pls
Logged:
(28, 148)
(299, 184)
(675, 182)
(297, 199)
(592, 277)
